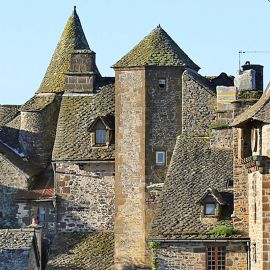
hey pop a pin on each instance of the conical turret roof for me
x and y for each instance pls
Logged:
(156, 49)
(72, 38)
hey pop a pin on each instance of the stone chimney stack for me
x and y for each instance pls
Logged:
(258, 74)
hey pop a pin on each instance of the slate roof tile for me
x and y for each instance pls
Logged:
(73, 139)
(194, 168)
(82, 251)
(38, 102)
(16, 239)
(72, 38)
(7, 113)
(156, 49)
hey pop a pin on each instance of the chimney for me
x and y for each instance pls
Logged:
(258, 74)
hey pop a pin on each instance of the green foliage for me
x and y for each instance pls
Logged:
(153, 247)
(223, 231)
(220, 124)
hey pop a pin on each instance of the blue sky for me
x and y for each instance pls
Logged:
(211, 32)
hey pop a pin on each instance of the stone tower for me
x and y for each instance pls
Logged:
(39, 115)
(148, 86)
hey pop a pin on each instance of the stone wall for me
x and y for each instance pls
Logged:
(130, 246)
(222, 138)
(193, 256)
(27, 210)
(163, 124)
(32, 261)
(11, 180)
(199, 105)
(255, 220)
(240, 185)
(182, 256)
(86, 192)
(163, 117)
(259, 213)
(266, 140)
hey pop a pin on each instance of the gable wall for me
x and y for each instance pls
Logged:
(198, 108)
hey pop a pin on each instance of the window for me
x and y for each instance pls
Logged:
(41, 215)
(210, 209)
(230, 184)
(100, 136)
(216, 258)
(160, 157)
(162, 83)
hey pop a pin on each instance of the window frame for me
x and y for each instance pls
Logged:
(216, 257)
(164, 158)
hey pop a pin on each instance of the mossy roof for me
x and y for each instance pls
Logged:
(73, 138)
(260, 111)
(195, 167)
(8, 112)
(156, 49)
(38, 102)
(23, 165)
(72, 38)
(82, 251)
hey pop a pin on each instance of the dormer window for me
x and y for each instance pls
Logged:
(162, 83)
(101, 136)
(212, 204)
(210, 209)
(102, 131)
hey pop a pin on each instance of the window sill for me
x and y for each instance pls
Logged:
(100, 145)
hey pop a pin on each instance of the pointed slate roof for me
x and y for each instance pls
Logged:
(72, 38)
(259, 111)
(156, 49)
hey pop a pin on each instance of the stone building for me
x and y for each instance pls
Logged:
(157, 168)
(19, 249)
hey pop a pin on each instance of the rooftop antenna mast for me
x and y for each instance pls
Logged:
(242, 52)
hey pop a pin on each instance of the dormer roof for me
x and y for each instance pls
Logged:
(107, 121)
(156, 49)
(215, 194)
(72, 39)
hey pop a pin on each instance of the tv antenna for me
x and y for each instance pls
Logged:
(242, 52)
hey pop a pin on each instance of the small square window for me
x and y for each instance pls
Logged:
(162, 83)
(100, 136)
(160, 157)
(210, 209)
